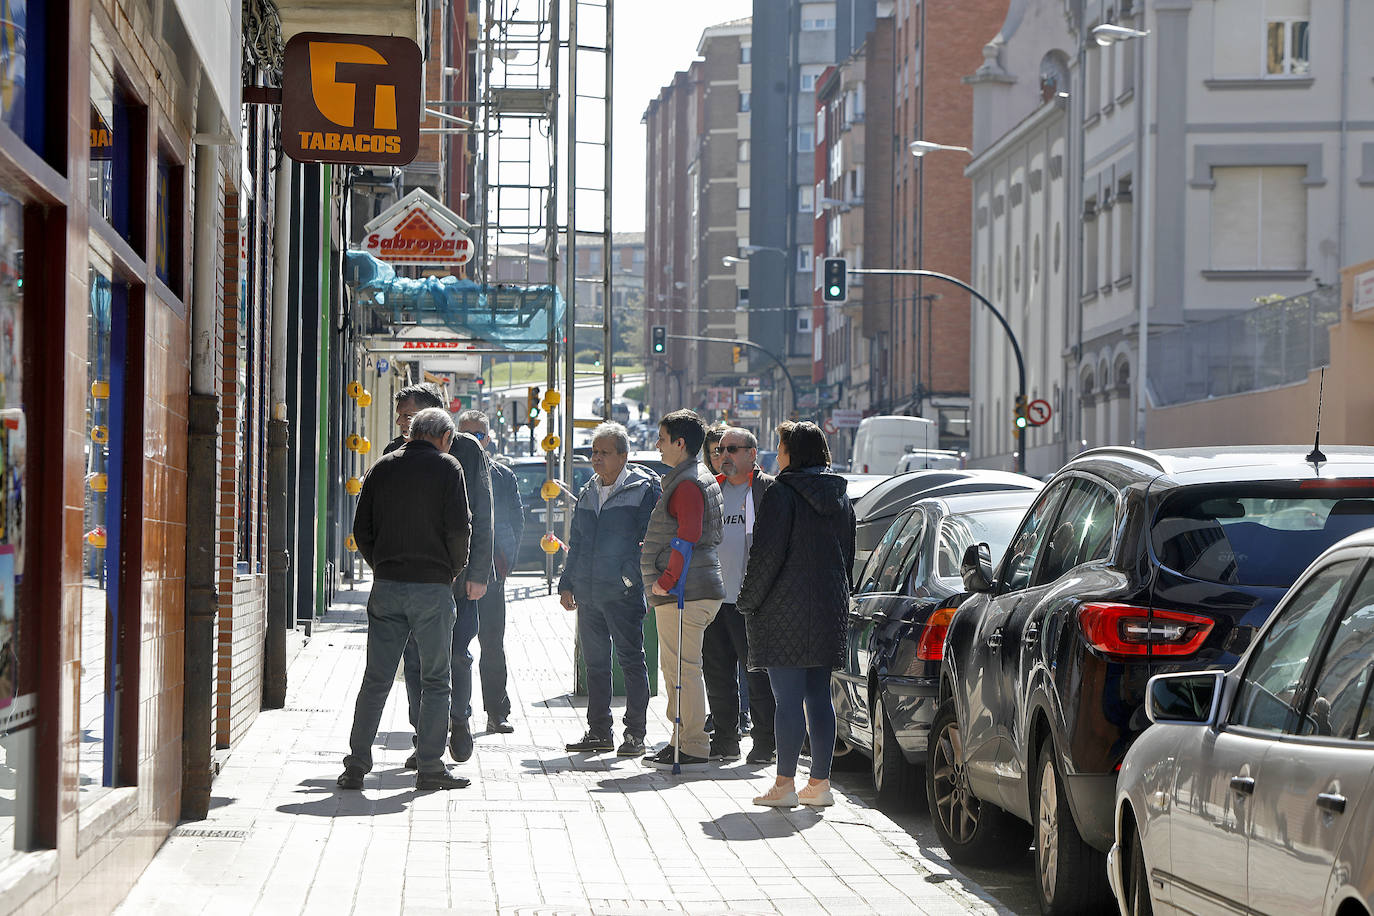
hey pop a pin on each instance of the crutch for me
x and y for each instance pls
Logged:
(684, 549)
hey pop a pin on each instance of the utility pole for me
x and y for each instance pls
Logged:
(743, 342)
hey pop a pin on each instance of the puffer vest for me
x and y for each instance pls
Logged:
(703, 575)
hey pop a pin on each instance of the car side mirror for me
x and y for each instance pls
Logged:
(1185, 698)
(976, 569)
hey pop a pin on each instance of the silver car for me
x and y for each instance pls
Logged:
(1251, 792)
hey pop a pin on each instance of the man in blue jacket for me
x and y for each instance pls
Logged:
(601, 581)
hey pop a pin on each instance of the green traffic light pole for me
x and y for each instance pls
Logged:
(742, 342)
(1015, 346)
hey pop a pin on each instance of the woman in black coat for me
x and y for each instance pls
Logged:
(795, 602)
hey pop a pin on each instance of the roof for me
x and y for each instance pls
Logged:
(960, 503)
(1256, 462)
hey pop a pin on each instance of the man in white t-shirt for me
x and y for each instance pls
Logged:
(725, 645)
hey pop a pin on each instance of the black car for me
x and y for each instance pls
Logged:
(1129, 564)
(876, 509)
(530, 474)
(885, 696)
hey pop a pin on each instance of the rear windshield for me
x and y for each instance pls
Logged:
(1257, 534)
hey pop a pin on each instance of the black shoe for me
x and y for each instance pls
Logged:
(724, 749)
(710, 723)
(460, 743)
(500, 726)
(590, 744)
(631, 747)
(412, 762)
(761, 754)
(429, 782)
(664, 759)
(351, 778)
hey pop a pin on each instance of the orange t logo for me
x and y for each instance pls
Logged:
(337, 71)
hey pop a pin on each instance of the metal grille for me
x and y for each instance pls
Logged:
(1274, 344)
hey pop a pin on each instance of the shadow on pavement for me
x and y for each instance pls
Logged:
(653, 781)
(770, 824)
(331, 801)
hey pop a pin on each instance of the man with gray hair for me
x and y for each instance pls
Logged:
(412, 527)
(601, 581)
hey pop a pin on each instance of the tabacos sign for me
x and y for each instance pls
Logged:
(418, 229)
(351, 99)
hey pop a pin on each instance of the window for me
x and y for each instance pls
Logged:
(1125, 231)
(743, 293)
(742, 151)
(743, 198)
(806, 140)
(1093, 80)
(1259, 218)
(806, 199)
(804, 258)
(746, 52)
(1340, 703)
(1090, 246)
(744, 100)
(1274, 674)
(873, 570)
(818, 24)
(1025, 547)
(24, 47)
(1082, 531)
(959, 532)
(808, 79)
(117, 153)
(1285, 47)
(167, 252)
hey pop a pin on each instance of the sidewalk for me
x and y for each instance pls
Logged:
(538, 829)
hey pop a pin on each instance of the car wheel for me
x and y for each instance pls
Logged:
(1135, 884)
(1071, 876)
(893, 778)
(970, 829)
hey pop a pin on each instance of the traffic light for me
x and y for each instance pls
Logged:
(1021, 419)
(835, 285)
(660, 338)
(738, 351)
(532, 404)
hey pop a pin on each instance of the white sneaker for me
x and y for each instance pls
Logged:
(778, 797)
(818, 795)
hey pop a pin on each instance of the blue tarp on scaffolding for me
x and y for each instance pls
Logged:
(513, 317)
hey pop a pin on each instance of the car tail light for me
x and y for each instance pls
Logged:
(931, 647)
(1123, 629)
(1337, 483)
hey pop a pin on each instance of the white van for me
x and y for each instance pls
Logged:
(882, 441)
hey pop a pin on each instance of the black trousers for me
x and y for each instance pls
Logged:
(491, 637)
(724, 647)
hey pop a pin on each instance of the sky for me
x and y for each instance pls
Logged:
(653, 40)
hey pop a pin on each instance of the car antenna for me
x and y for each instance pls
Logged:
(1315, 456)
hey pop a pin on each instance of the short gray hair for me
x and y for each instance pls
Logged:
(750, 439)
(474, 416)
(431, 423)
(613, 431)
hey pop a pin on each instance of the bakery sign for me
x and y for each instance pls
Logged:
(418, 229)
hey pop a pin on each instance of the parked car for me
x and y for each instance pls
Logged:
(651, 460)
(530, 474)
(1252, 790)
(857, 486)
(885, 501)
(886, 693)
(1130, 563)
(880, 442)
(931, 459)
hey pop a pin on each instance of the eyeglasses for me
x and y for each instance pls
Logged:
(478, 435)
(731, 449)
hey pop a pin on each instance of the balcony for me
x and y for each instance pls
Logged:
(402, 18)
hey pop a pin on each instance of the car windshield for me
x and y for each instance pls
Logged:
(993, 527)
(530, 477)
(1257, 534)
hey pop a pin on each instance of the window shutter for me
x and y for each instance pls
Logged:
(1235, 218)
(1283, 223)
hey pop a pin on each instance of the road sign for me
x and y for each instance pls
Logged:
(1038, 412)
(719, 398)
(845, 418)
(383, 366)
(748, 405)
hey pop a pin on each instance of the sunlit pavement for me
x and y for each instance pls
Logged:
(538, 830)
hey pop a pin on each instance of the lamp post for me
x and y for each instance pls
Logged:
(1107, 35)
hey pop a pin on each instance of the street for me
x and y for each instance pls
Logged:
(538, 829)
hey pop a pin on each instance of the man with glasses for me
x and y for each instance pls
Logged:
(487, 617)
(725, 646)
(601, 582)
(468, 590)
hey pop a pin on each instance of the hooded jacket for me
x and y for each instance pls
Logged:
(795, 597)
(603, 554)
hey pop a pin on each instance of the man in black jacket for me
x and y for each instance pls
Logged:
(508, 523)
(468, 590)
(412, 528)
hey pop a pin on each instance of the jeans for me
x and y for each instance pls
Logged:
(724, 647)
(616, 622)
(397, 612)
(464, 629)
(795, 688)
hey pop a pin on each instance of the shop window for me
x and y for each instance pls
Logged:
(167, 261)
(18, 709)
(107, 344)
(118, 152)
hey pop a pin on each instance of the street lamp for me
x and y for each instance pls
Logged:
(919, 148)
(1107, 35)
